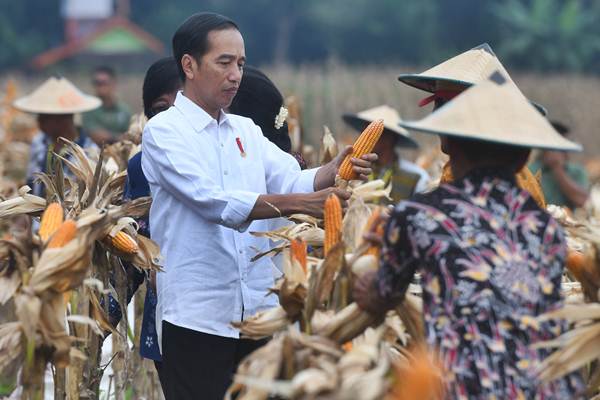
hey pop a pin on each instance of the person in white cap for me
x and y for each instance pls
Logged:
(406, 177)
(55, 102)
(491, 259)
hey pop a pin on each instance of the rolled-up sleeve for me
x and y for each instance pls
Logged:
(171, 164)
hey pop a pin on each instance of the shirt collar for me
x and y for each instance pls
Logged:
(198, 118)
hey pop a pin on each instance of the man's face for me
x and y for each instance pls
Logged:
(104, 85)
(218, 75)
(55, 125)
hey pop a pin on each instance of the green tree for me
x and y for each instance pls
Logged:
(28, 27)
(549, 34)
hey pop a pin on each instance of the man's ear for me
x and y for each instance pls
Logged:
(189, 66)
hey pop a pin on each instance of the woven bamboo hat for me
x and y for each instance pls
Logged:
(391, 121)
(464, 70)
(57, 96)
(494, 111)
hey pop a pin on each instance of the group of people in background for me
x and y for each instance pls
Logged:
(216, 160)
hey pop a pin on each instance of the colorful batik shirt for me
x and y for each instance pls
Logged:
(491, 261)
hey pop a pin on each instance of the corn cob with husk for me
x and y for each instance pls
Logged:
(333, 222)
(63, 235)
(347, 324)
(532, 184)
(51, 220)
(363, 145)
(125, 243)
(375, 225)
(57, 264)
(263, 324)
(298, 252)
(328, 147)
(369, 260)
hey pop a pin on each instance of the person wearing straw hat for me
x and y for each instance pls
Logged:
(564, 182)
(406, 177)
(449, 78)
(491, 259)
(55, 102)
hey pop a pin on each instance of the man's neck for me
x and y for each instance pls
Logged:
(189, 92)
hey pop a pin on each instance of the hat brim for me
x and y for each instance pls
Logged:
(413, 126)
(24, 104)
(430, 84)
(360, 124)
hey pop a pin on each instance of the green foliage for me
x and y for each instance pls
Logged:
(542, 35)
(550, 34)
(27, 28)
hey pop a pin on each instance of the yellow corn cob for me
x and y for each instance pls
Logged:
(333, 222)
(298, 251)
(363, 145)
(527, 181)
(374, 225)
(51, 220)
(63, 235)
(125, 243)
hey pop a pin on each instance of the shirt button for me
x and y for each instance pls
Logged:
(222, 145)
(225, 173)
(241, 251)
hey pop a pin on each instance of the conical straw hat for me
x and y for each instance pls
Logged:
(494, 111)
(391, 120)
(464, 70)
(57, 96)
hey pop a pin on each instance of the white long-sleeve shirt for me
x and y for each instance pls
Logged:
(203, 190)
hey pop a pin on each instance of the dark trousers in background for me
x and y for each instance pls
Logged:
(198, 365)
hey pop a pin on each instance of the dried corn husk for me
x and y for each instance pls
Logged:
(263, 324)
(329, 148)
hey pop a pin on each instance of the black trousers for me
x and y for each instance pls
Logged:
(198, 365)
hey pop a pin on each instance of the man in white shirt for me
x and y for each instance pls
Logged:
(214, 177)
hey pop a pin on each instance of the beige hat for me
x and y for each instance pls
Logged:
(494, 111)
(466, 69)
(391, 119)
(57, 96)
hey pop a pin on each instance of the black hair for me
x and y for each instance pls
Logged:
(192, 36)
(477, 151)
(259, 99)
(162, 77)
(105, 69)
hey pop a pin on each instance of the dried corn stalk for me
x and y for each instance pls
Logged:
(329, 149)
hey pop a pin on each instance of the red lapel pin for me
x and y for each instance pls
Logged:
(239, 144)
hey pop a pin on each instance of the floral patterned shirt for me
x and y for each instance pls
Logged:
(491, 261)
